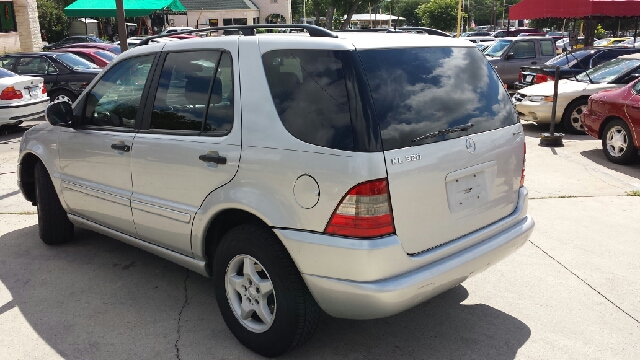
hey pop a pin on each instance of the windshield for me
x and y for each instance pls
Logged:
(609, 71)
(569, 59)
(75, 62)
(412, 93)
(497, 48)
(105, 55)
(94, 39)
(601, 42)
(6, 73)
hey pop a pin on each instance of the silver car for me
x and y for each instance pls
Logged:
(359, 174)
(508, 55)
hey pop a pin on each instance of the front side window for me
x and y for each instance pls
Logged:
(524, 50)
(310, 95)
(35, 65)
(195, 93)
(547, 48)
(7, 62)
(115, 99)
(498, 48)
(418, 92)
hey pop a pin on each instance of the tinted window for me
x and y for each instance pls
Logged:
(569, 59)
(182, 100)
(609, 71)
(84, 57)
(636, 87)
(105, 55)
(604, 57)
(309, 92)
(35, 66)
(7, 62)
(75, 62)
(419, 91)
(220, 111)
(523, 50)
(115, 99)
(6, 73)
(547, 48)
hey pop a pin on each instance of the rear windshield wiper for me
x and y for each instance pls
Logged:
(444, 132)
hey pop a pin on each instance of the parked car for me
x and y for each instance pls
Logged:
(571, 63)
(476, 34)
(100, 58)
(300, 172)
(609, 41)
(176, 29)
(631, 43)
(534, 103)
(508, 55)
(22, 98)
(514, 32)
(532, 34)
(72, 40)
(614, 116)
(480, 39)
(114, 48)
(564, 45)
(134, 41)
(65, 75)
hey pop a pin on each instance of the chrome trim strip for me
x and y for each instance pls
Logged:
(96, 193)
(160, 211)
(192, 264)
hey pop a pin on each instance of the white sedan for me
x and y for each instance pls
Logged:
(534, 103)
(22, 98)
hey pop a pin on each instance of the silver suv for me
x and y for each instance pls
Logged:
(357, 173)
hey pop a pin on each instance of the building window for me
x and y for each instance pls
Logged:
(274, 1)
(256, 20)
(213, 22)
(7, 17)
(234, 21)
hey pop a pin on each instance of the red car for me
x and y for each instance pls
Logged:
(99, 57)
(183, 36)
(104, 46)
(614, 117)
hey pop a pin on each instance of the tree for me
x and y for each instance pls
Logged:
(407, 9)
(439, 14)
(52, 19)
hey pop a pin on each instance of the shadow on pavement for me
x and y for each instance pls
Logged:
(98, 298)
(11, 132)
(598, 157)
(534, 130)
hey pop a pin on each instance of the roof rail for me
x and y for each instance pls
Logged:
(250, 30)
(405, 29)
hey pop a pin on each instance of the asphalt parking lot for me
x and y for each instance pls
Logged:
(572, 292)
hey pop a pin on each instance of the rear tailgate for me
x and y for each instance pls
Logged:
(30, 87)
(529, 74)
(452, 142)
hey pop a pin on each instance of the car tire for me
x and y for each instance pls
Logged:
(67, 95)
(54, 226)
(571, 116)
(291, 310)
(617, 143)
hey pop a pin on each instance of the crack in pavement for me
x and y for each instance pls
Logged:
(586, 283)
(186, 301)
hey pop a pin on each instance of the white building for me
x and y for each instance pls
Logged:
(205, 13)
(19, 27)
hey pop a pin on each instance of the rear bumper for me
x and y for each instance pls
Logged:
(368, 279)
(536, 111)
(20, 112)
(592, 121)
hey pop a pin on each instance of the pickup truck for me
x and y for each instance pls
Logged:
(508, 55)
(571, 63)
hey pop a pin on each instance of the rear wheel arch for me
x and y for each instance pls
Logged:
(606, 122)
(222, 223)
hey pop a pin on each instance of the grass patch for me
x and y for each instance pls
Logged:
(633, 193)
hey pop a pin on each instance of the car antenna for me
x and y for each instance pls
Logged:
(566, 54)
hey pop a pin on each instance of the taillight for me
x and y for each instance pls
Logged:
(540, 78)
(520, 77)
(44, 89)
(10, 93)
(364, 212)
(524, 161)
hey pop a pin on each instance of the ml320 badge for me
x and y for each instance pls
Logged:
(408, 158)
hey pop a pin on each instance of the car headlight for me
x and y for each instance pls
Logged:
(535, 98)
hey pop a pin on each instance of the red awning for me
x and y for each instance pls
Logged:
(538, 9)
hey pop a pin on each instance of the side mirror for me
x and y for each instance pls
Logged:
(59, 113)
(509, 56)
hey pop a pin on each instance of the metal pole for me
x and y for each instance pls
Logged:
(555, 100)
(304, 11)
(635, 33)
(122, 27)
(459, 18)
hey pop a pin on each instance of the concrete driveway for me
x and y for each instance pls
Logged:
(572, 292)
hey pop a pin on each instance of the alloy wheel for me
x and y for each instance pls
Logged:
(63, 97)
(575, 117)
(250, 293)
(617, 141)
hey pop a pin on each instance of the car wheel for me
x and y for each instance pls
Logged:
(260, 292)
(571, 117)
(617, 143)
(63, 95)
(54, 226)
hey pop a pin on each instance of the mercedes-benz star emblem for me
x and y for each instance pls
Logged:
(471, 145)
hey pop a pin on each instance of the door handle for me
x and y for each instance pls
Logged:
(213, 157)
(636, 106)
(121, 146)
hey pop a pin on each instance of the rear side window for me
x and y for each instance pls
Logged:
(309, 92)
(547, 48)
(418, 92)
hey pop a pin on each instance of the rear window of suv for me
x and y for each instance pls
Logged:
(419, 92)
